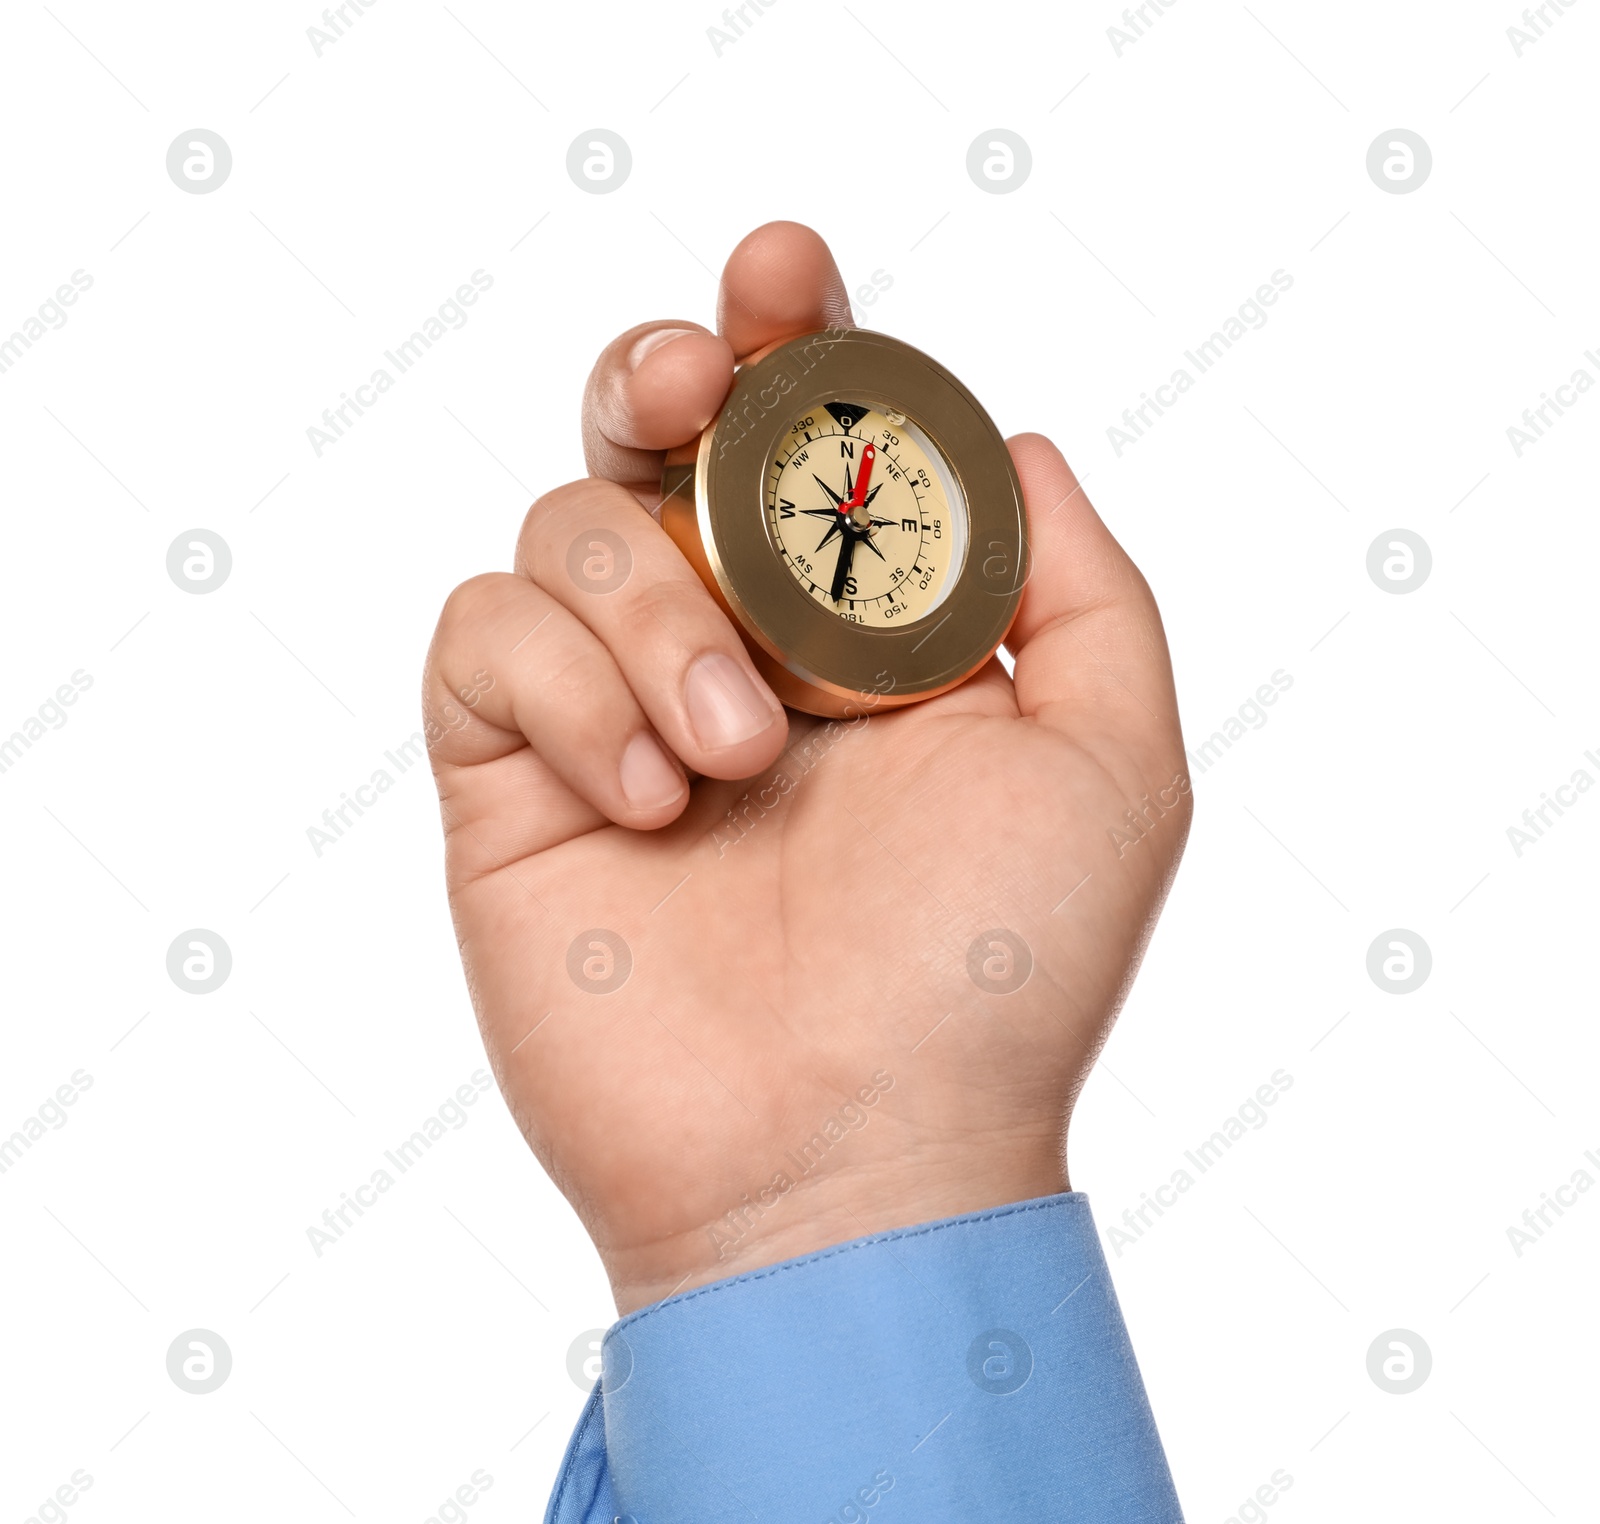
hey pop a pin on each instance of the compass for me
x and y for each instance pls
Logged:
(856, 513)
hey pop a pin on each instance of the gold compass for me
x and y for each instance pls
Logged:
(857, 514)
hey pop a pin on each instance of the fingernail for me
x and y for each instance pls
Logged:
(651, 342)
(725, 707)
(649, 780)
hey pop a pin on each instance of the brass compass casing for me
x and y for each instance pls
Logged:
(714, 507)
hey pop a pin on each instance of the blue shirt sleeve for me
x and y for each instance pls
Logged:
(971, 1369)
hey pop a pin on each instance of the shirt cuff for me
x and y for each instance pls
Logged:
(976, 1368)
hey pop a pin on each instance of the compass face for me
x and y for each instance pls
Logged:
(866, 514)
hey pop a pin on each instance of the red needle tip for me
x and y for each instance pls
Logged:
(858, 497)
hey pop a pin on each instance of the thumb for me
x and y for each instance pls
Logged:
(1091, 656)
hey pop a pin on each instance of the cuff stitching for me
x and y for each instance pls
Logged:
(1067, 1199)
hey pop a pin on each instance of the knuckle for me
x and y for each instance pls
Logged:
(466, 604)
(580, 677)
(677, 608)
(448, 701)
(550, 521)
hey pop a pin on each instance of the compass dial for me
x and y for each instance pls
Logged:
(866, 514)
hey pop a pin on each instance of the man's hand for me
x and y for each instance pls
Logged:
(868, 963)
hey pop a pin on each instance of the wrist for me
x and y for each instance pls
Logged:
(796, 1211)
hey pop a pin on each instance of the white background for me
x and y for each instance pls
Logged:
(1167, 184)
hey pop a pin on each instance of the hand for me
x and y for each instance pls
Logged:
(815, 996)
